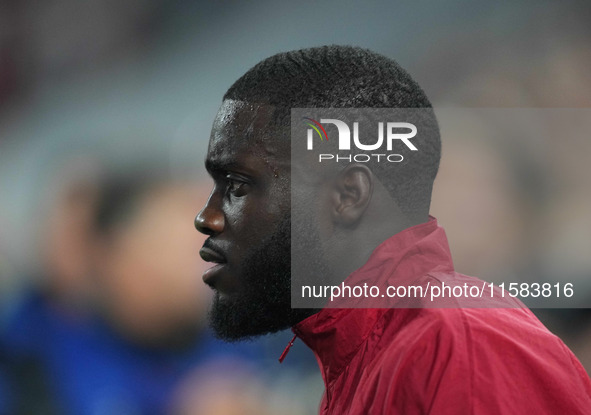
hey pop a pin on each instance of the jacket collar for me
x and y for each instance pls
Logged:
(336, 334)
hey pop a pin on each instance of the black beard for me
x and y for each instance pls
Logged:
(265, 304)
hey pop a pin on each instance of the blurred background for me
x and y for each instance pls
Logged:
(105, 112)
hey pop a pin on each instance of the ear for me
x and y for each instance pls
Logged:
(351, 194)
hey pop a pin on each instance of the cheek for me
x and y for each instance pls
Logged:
(251, 219)
(311, 212)
(321, 213)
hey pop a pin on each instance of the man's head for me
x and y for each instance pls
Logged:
(249, 214)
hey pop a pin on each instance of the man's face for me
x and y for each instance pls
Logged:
(247, 218)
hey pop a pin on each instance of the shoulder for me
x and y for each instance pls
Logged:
(473, 356)
(486, 331)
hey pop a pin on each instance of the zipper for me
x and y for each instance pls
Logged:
(282, 357)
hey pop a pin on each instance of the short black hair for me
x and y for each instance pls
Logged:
(349, 77)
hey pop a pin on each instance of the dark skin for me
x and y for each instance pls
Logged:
(250, 193)
(251, 169)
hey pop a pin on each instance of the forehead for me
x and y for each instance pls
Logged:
(245, 129)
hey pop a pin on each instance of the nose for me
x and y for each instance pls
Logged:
(210, 221)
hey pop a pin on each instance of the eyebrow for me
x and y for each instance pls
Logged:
(215, 166)
(223, 164)
(220, 166)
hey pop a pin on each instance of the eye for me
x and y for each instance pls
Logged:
(235, 186)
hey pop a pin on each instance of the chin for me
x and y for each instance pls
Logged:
(235, 318)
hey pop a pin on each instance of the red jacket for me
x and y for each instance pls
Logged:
(439, 360)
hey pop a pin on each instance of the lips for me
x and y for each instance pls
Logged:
(213, 275)
(209, 254)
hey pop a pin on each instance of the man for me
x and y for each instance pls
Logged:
(354, 223)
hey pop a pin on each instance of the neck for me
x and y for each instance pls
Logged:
(350, 248)
(382, 219)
